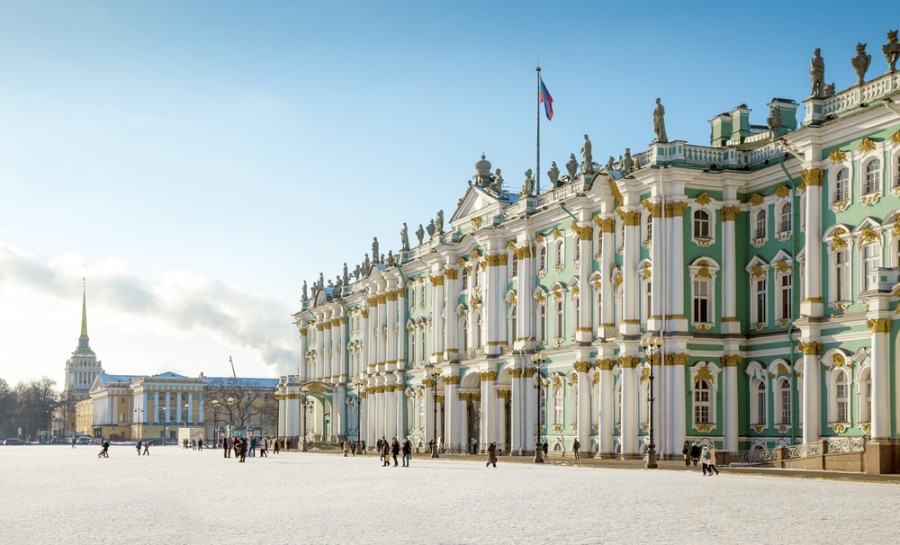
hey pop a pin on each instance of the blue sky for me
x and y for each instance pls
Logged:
(198, 160)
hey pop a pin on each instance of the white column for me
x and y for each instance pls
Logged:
(429, 423)
(381, 321)
(391, 322)
(451, 345)
(156, 407)
(630, 396)
(451, 411)
(631, 310)
(530, 391)
(881, 375)
(678, 402)
(517, 413)
(730, 322)
(502, 439)
(437, 315)
(200, 416)
(812, 406)
(607, 288)
(585, 331)
(402, 333)
(584, 404)
(673, 269)
(730, 401)
(525, 284)
(489, 407)
(813, 304)
(607, 423)
(320, 350)
(304, 348)
(180, 408)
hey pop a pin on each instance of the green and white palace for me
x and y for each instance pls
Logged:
(753, 278)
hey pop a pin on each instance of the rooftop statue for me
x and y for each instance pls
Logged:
(305, 296)
(496, 186)
(891, 50)
(528, 185)
(330, 283)
(430, 228)
(404, 238)
(367, 264)
(420, 233)
(610, 164)
(375, 249)
(439, 222)
(357, 272)
(553, 174)
(627, 162)
(338, 288)
(861, 62)
(572, 166)
(483, 172)
(587, 164)
(390, 258)
(346, 274)
(321, 280)
(775, 120)
(817, 74)
(659, 123)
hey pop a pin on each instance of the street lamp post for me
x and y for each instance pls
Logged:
(165, 431)
(651, 344)
(305, 392)
(230, 416)
(215, 404)
(538, 359)
(358, 383)
(434, 372)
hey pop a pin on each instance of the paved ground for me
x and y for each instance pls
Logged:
(54, 494)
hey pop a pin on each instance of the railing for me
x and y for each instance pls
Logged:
(804, 450)
(754, 456)
(858, 94)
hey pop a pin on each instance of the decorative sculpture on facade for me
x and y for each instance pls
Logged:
(367, 264)
(375, 249)
(430, 229)
(553, 174)
(390, 259)
(587, 164)
(891, 50)
(482, 176)
(439, 222)
(775, 120)
(321, 281)
(627, 162)
(610, 164)
(305, 296)
(420, 233)
(572, 166)
(659, 123)
(528, 185)
(346, 274)
(496, 185)
(817, 74)
(404, 238)
(861, 62)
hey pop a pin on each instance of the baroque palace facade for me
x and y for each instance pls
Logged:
(765, 262)
(132, 407)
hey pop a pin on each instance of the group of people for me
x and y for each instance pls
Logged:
(706, 455)
(390, 449)
(194, 444)
(146, 445)
(246, 446)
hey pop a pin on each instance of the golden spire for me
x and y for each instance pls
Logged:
(84, 309)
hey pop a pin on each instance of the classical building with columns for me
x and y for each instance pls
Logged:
(766, 262)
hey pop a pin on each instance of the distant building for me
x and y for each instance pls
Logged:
(763, 266)
(125, 407)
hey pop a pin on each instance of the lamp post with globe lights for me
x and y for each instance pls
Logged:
(538, 359)
(651, 345)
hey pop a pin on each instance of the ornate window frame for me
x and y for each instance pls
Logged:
(704, 269)
(758, 237)
(758, 271)
(840, 200)
(838, 363)
(559, 254)
(710, 222)
(837, 243)
(541, 298)
(868, 235)
(893, 170)
(785, 227)
(708, 372)
(869, 196)
(783, 265)
(758, 377)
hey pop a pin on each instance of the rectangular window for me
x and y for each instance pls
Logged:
(701, 301)
(761, 300)
(840, 277)
(559, 319)
(871, 262)
(785, 405)
(761, 406)
(786, 296)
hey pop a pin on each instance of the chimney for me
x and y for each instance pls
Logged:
(740, 123)
(720, 130)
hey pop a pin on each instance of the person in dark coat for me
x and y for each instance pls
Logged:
(695, 453)
(380, 446)
(243, 450)
(492, 455)
(104, 452)
(275, 444)
(139, 448)
(544, 448)
(395, 450)
(686, 451)
(385, 453)
(226, 447)
(575, 446)
(407, 452)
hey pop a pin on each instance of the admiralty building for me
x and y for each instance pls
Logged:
(753, 277)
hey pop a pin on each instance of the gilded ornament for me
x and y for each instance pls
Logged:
(539, 238)
(703, 199)
(557, 234)
(515, 373)
(460, 261)
(450, 380)
(608, 225)
(756, 199)
(731, 361)
(605, 364)
(617, 195)
(704, 373)
(489, 375)
(782, 191)
(476, 223)
(631, 219)
(391, 296)
(646, 273)
(879, 325)
(810, 348)
(582, 366)
(676, 209)
(837, 156)
(895, 138)
(867, 145)
(758, 271)
(704, 272)
(511, 245)
(380, 299)
(617, 279)
(812, 177)
(783, 266)
(451, 274)
(837, 360)
(524, 252)
(475, 254)
(629, 362)
(868, 235)
(729, 213)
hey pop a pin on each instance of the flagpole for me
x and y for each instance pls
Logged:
(537, 175)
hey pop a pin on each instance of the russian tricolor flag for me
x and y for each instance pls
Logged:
(547, 100)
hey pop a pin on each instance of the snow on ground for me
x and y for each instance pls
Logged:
(54, 494)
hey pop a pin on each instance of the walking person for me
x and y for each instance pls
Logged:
(139, 448)
(226, 447)
(73, 443)
(104, 452)
(380, 446)
(407, 452)
(695, 453)
(385, 453)
(575, 446)
(544, 448)
(264, 447)
(345, 446)
(711, 462)
(276, 446)
(395, 450)
(686, 451)
(704, 460)
(146, 448)
(492, 455)
(243, 450)
(200, 445)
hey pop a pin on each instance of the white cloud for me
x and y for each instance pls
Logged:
(177, 301)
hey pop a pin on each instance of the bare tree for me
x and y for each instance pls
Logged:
(236, 397)
(7, 409)
(35, 402)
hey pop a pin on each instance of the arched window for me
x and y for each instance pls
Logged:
(577, 253)
(784, 225)
(841, 275)
(558, 394)
(422, 352)
(761, 294)
(760, 405)
(760, 231)
(542, 259)
(559, 251)
(786, 296)
(542, 322)
(784, 395)
(577, 304)
(560, 319)
(873, 177)
(896, 182)
(841, 397)
(649, 227)
(515, 265)
(464, 342)
(464, 279)
(864, 399)
(701, 402)
(701, 224)
(617, 405)
(841, 183)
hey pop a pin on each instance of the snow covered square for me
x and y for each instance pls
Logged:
(55, 494)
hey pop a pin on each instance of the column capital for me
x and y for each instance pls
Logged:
(450, 380)
(515, 373)
(731, 360)
(629, 362)
(810, 348)
(729, 213)
(605, 364)
(677, 359)
(582, 366)
(675, 209)
(812, 177)
(879, 325)
(489, 375)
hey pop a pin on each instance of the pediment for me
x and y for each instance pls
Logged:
(476, 201)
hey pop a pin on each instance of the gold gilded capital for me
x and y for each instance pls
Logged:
(629, 362)
(605, 364)
(582, 366)
(515, 373)
(450, 380)
(675, 209)
(451, 274)
(810, 348)
(437, 280)
(879, 325)
(731, 361)
(631, 219)
(812, 177)
(489, 375)
(729, 213)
